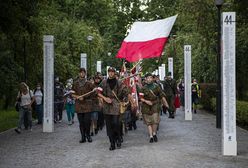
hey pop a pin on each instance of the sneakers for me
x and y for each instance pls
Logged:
(18, 130)
(60, 121)
(70, 123)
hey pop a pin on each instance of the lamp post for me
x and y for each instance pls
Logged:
(218, 4)
(90, 38)
(24, 59)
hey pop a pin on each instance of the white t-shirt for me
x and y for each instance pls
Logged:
(38, 97)
(26, 99)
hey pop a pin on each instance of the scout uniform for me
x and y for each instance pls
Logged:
(83, 107)
(153, 93)
(170, 89)
(115, 90)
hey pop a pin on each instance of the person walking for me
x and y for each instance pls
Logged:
(26, 99)
(150, 96)
(96, 107)
(170, 90)
(58, 100)
(181, 91)
(83, 105)
(196, 94)
(112, 92)
(69, 103)
(38, 96)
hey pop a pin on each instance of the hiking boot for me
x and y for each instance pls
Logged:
(83, 140)
(155, 138)
(89, 139)
(151, 140)
(112, 147)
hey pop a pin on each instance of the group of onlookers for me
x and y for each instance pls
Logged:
(26, 101)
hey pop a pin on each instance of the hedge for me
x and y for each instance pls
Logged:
(208, 102)
(241, 112)
(208, 91)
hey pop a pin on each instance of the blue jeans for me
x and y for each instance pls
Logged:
(22, 112)
(39, 112)
(94, 115)
(70, 108)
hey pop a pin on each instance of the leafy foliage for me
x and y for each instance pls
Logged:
(23, 24)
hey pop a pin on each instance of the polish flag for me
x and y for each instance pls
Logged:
(146, 39)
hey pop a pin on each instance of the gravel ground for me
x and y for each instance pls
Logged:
(182, 144)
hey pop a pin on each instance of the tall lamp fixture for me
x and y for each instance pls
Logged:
(218, 4)
(90, 38)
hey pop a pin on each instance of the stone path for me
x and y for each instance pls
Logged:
(182, 144)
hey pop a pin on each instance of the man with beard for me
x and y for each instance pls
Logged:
(83, 105)
(150, 96)
(112, 92)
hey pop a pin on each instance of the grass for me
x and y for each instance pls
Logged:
(8, 119)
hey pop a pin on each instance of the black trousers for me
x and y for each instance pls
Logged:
(113, 126)
(84, 123)
(58, 111)
(132, 123)
(100, 121)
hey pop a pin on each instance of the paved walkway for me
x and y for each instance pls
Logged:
(182, 144)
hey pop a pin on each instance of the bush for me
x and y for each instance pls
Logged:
(208, 91)
(8, 119)
(241, 112)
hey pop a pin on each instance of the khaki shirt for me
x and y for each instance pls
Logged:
(170, 87)
(152, 93)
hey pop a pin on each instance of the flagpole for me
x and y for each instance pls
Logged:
(135, 65)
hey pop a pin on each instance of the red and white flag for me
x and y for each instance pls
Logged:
(146, 39)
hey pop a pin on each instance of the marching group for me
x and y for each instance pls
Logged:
(98, 102)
